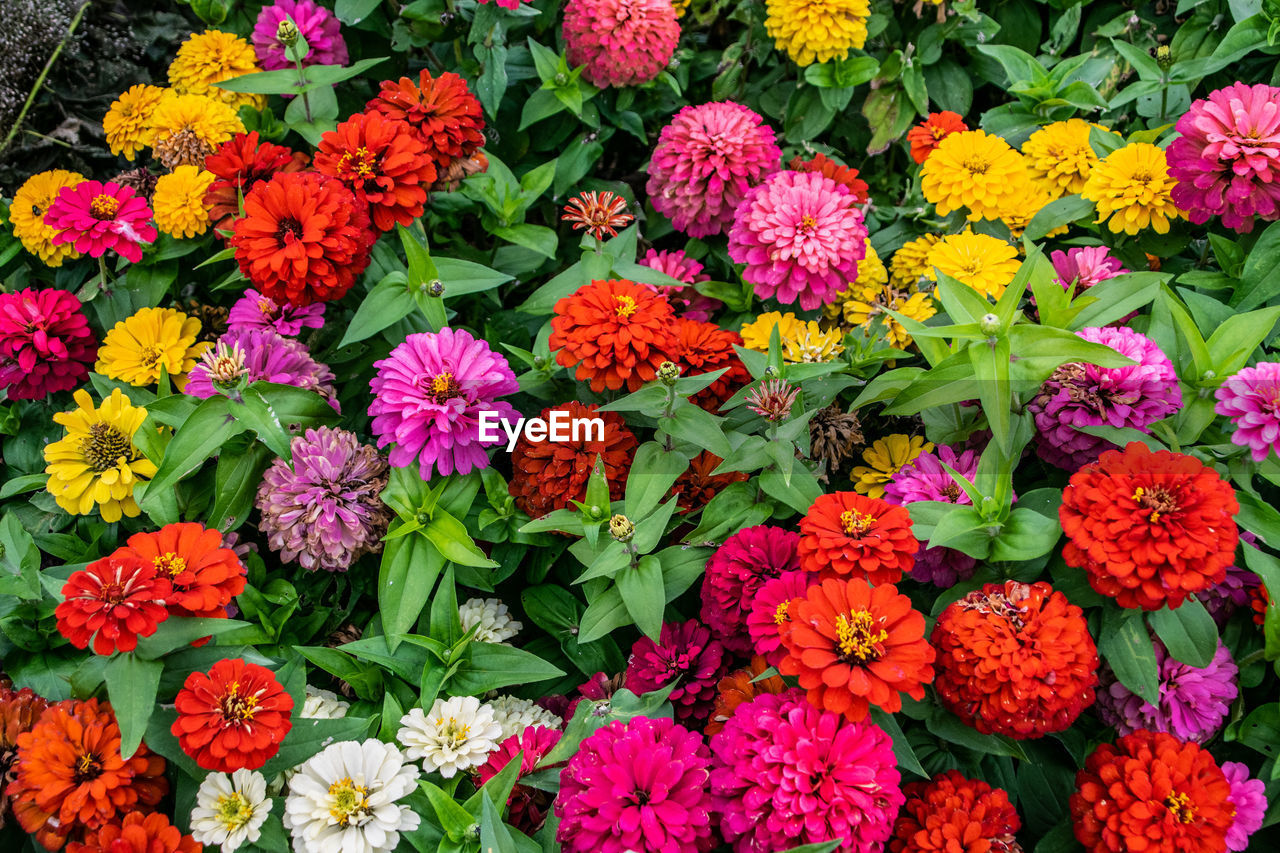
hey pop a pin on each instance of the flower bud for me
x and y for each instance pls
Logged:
(621, 528)
(989, 324)
(1164, 57)
(435, 287)
(287, 33)
(668, 373)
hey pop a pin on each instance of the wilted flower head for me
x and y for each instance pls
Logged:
(599, 214)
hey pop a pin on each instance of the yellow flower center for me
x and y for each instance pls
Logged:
(1181, 807)
(855, 523)
(781, 615)
(976, 165)
(170, 564)
(626, 306)
(808, 223)
(857, 639)
(234, 811)
(236, 708)
(349, 802)
(88, 767)
(150, 356)
(363, 162)
(104, 206)
(445, 387)
(104, 447)
(457, 732)
(1159, 501)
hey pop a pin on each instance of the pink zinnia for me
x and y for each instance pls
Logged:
(687, 301)
(801, 236)
(95, 217)
(636, 785)
(786, 773)
(705, 162)
(1081, 268)
(256, 311)
(1079, 395)
(528, 806)
(769, 614)
(924, 479)
(1227, 159)
(317, 25)
(735, 574)
(45, 343)
(685, 652)
(428, 397)
(1251, 399)
(268, 357)
(506, 4)
(622, 42)
(1249, 796)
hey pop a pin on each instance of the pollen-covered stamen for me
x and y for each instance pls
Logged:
(444, 387)
(348, 802)
(625, 306)
(105, 447)
(1181, 807)
(781, 614)
(104, 206)
(237, 709)
(1156, 499)
(233, 811)
(859, 638)
(855, 523)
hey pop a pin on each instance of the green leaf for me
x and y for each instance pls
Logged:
(309, 737)
(178, 631)
(406, 576)
(387, 303)
(19, 559)
(490, 666)
(1116, 298)
(132, 684)
(1232, 344)
(450, 538)
(352, 12)
(285, 82)
(462, 277)
(1188, 632)
(947, 726)
(1025, 535)
(236, 484)
(901, 746)
(653, 472)
(1056, 214)
(208, 428)
(644, 595)
(495, 837)
(538, 238)
(256, 413)
(698, 427)
(1126, 646)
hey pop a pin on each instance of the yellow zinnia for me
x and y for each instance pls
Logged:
(128, 122)
(801, 341)
(756, 334)
(1059, 156)
(190, 127)
(211, 57)
(138, 346)
(871, 303)
(972, 169)
(817, 30)
(26, 215)
(871, 271)
(1022, 207)
(886, 457)
(978, 260)
(179, 202)
(97, 462)
(911, 263)
(1131, 189)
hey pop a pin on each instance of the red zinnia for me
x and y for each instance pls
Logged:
(20, 710)
(845, 533)
(233, 717)
(383, 162)
(705, 348)
(853, 645)
(824, 165)
(1154, 793)
(205, 575)
(697, 486)
(119, 598)
(71, 776)
(547, 475)
(741, 686)
(1149, 528)
(138, 833)
(1015, 659)
(303, 238)
(442, 110)
(527, 806)
(926, 135)
(617, 332)
(952, 814)
(600, 214)
(237, 166)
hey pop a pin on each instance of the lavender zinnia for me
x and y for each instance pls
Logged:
(267, 357)
(1251, 399)
(1193, 702)
(924, 479)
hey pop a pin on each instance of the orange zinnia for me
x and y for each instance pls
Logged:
(853, 645)
(845, 533)
(706, 348)
(234, 716)
(443, 112)
(737, 687)
(383, 162)
(617, 332)
(824, 165)
(138, 834)
(20, 710)
(204, 574)
(926, 135)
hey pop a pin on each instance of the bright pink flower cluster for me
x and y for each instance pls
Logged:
(622, 42)
(45, 343)
(1251, 399)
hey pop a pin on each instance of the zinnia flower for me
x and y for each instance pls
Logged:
(527, 806)
(27, 210)
(1193, 701)
(443, 111)
(139, 347)
(869, 304)
(1131, 190)
(705, 348)
(952, 813)
(349, 797)
(491, 619)
(546, 475)
(383, 162)
(926, 135)
(1081, 268)
(234, 716)
(621, 42)
(706, 161)
(685, 653)
(324, 511)
(1015, 659)
(975, 170)
(734, 575)
(179, 201)
(740, 686)
(316, 24)
(237, 166)
(267, 357)
(910, 266)
(1250, 799)
(787, 773)
(45, 343)
(456, 734)
(824, 165)
(698, 485)
(1226, 159)
(687, 302)
(93, 217)
(323, 705)
(925, 479)
(817, 30)
(886, 457)
(801, 236)
(853, 645)
(255, 311)
(802, 341)
(211, 57)
(984, 263)
(96, 463)
(137, 833)
(617, 332)
(773, 400)
(845, 533)
(230, 810)
(1150, 791)
(429, 396)
(1149, 528)
(769, 616)
(1079, 395)
(600, 214)
(1059, 156)
(188, 128)
(636, 785)
(514, 715)
(205, 575)
(1251, 400)
(20, 710)
(127, 124)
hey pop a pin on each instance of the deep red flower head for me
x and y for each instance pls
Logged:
(824, 165)
(118, 598)
(926, 135)
(697, 485)
(138, 833)
(205, 575)
(1015, 659)
(685, 652)
(845, 533)
(1154, 793)
(528, 806)
(45, 343)
(383, 162)
(705, 348)
(952, 814)
(234, 716)
(735, 575)
(617, 332)
(1149, 528)
(442, 110)
(237, 166)
(738, 687)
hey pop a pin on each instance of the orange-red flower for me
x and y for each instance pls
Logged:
(235, 716)
(442, 110)
(617, 332)
(845, 533)
(383, 162)
(546, 475)
(1015, 659)
(705, 348)
(738, 687)
(72, 778)
(114, 601)
(853, 645)
(1149, 528)
(824, 165)
(697, 485)
(1154, 793)
(205, 575)
(926, 135)
(237, 166)
(20, 710)
(952, 814)
(303, 238)
(138, 833)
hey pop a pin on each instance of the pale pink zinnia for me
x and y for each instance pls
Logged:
(95, 217)
(1227, 160)
(706, 161)
(1251, 399)
(801, 236)
(1081, 268)
(315, 23)
(621, 42)
(687, 301)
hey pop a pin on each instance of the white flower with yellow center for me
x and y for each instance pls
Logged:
(491, 619)
(456, 734)
(515, 715)
(230, 810)
(323, 705)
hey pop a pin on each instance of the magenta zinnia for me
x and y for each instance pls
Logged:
(1193, 701)
(95, 217)
(315, 23)
(769, 615)
(256, 311)
(1251, 399)
(45, 343)
(925, 479)
(685, 652)
(267, 357)
(735, 573)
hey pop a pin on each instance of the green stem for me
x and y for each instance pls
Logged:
(44, 73)
(302, 81)
(1164, 95)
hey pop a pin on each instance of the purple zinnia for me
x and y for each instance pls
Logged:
(636, 785)
(324, 511)
(267, 357)
(1249, 797)
(924, 479)
(685, 652)
(767, 612)
(1251, 399)
(428, 397)
(1223, 599)
(1080, 395)
(1193, 701)
(735, 574)
(315, 23)
(256, 311)
(1080, 269)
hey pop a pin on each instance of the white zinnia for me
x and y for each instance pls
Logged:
(457, 734)
(323, 705)
(515, 715)
(230, 810)
(492, 617)
(345, 799)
